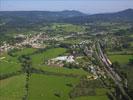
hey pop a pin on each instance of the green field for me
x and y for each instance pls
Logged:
(67, 27)
(11, 64)
(12, 88)
(9, 67)
(122, 59)
(131, 35)
(131, 44)
(64, 70)
(132, 41)
(100, 95)
(44, 87)
(39, 58)
(25, 51)
(93, 98)
(41, 86)
(63, 28)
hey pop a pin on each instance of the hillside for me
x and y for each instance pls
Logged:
(31, 17)
(25, 18)
(122, 16)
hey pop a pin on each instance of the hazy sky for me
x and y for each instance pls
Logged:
(87, 6)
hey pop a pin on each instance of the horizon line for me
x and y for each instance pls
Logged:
(61, 11)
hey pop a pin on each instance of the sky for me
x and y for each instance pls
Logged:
(86, 6)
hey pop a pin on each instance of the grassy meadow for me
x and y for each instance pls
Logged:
(122, 59)
(25, 51)
(43, 87)
(12, 88)
(103, 97)
(11, 64)
(63, 70)
(39, 58)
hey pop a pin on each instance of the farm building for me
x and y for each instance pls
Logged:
(64, 58)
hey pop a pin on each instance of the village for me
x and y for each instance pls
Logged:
(37, 41)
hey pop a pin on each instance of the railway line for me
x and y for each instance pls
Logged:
(110, 71)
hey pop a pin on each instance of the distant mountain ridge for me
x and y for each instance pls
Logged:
(25, 18)
(122, 16)
(38, 16)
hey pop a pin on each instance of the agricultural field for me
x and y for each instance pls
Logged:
(131, 41)
(63, 70)
(9, 67)
(13, 88)
(102, 97)
(9, 64)
(122, 59)
(39, 58)
(57, 82)
(24, 51)
(100, 93)
(131, 35)
(132, 44)
(44, 87)
(67, 27)
(63, 28)
(56, 88)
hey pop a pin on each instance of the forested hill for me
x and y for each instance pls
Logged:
(30, 17)
(14, 20)
(24, 18)
(122, 16)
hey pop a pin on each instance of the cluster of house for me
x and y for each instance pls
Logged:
(96, 71)
(34, 41)
(5, 47)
